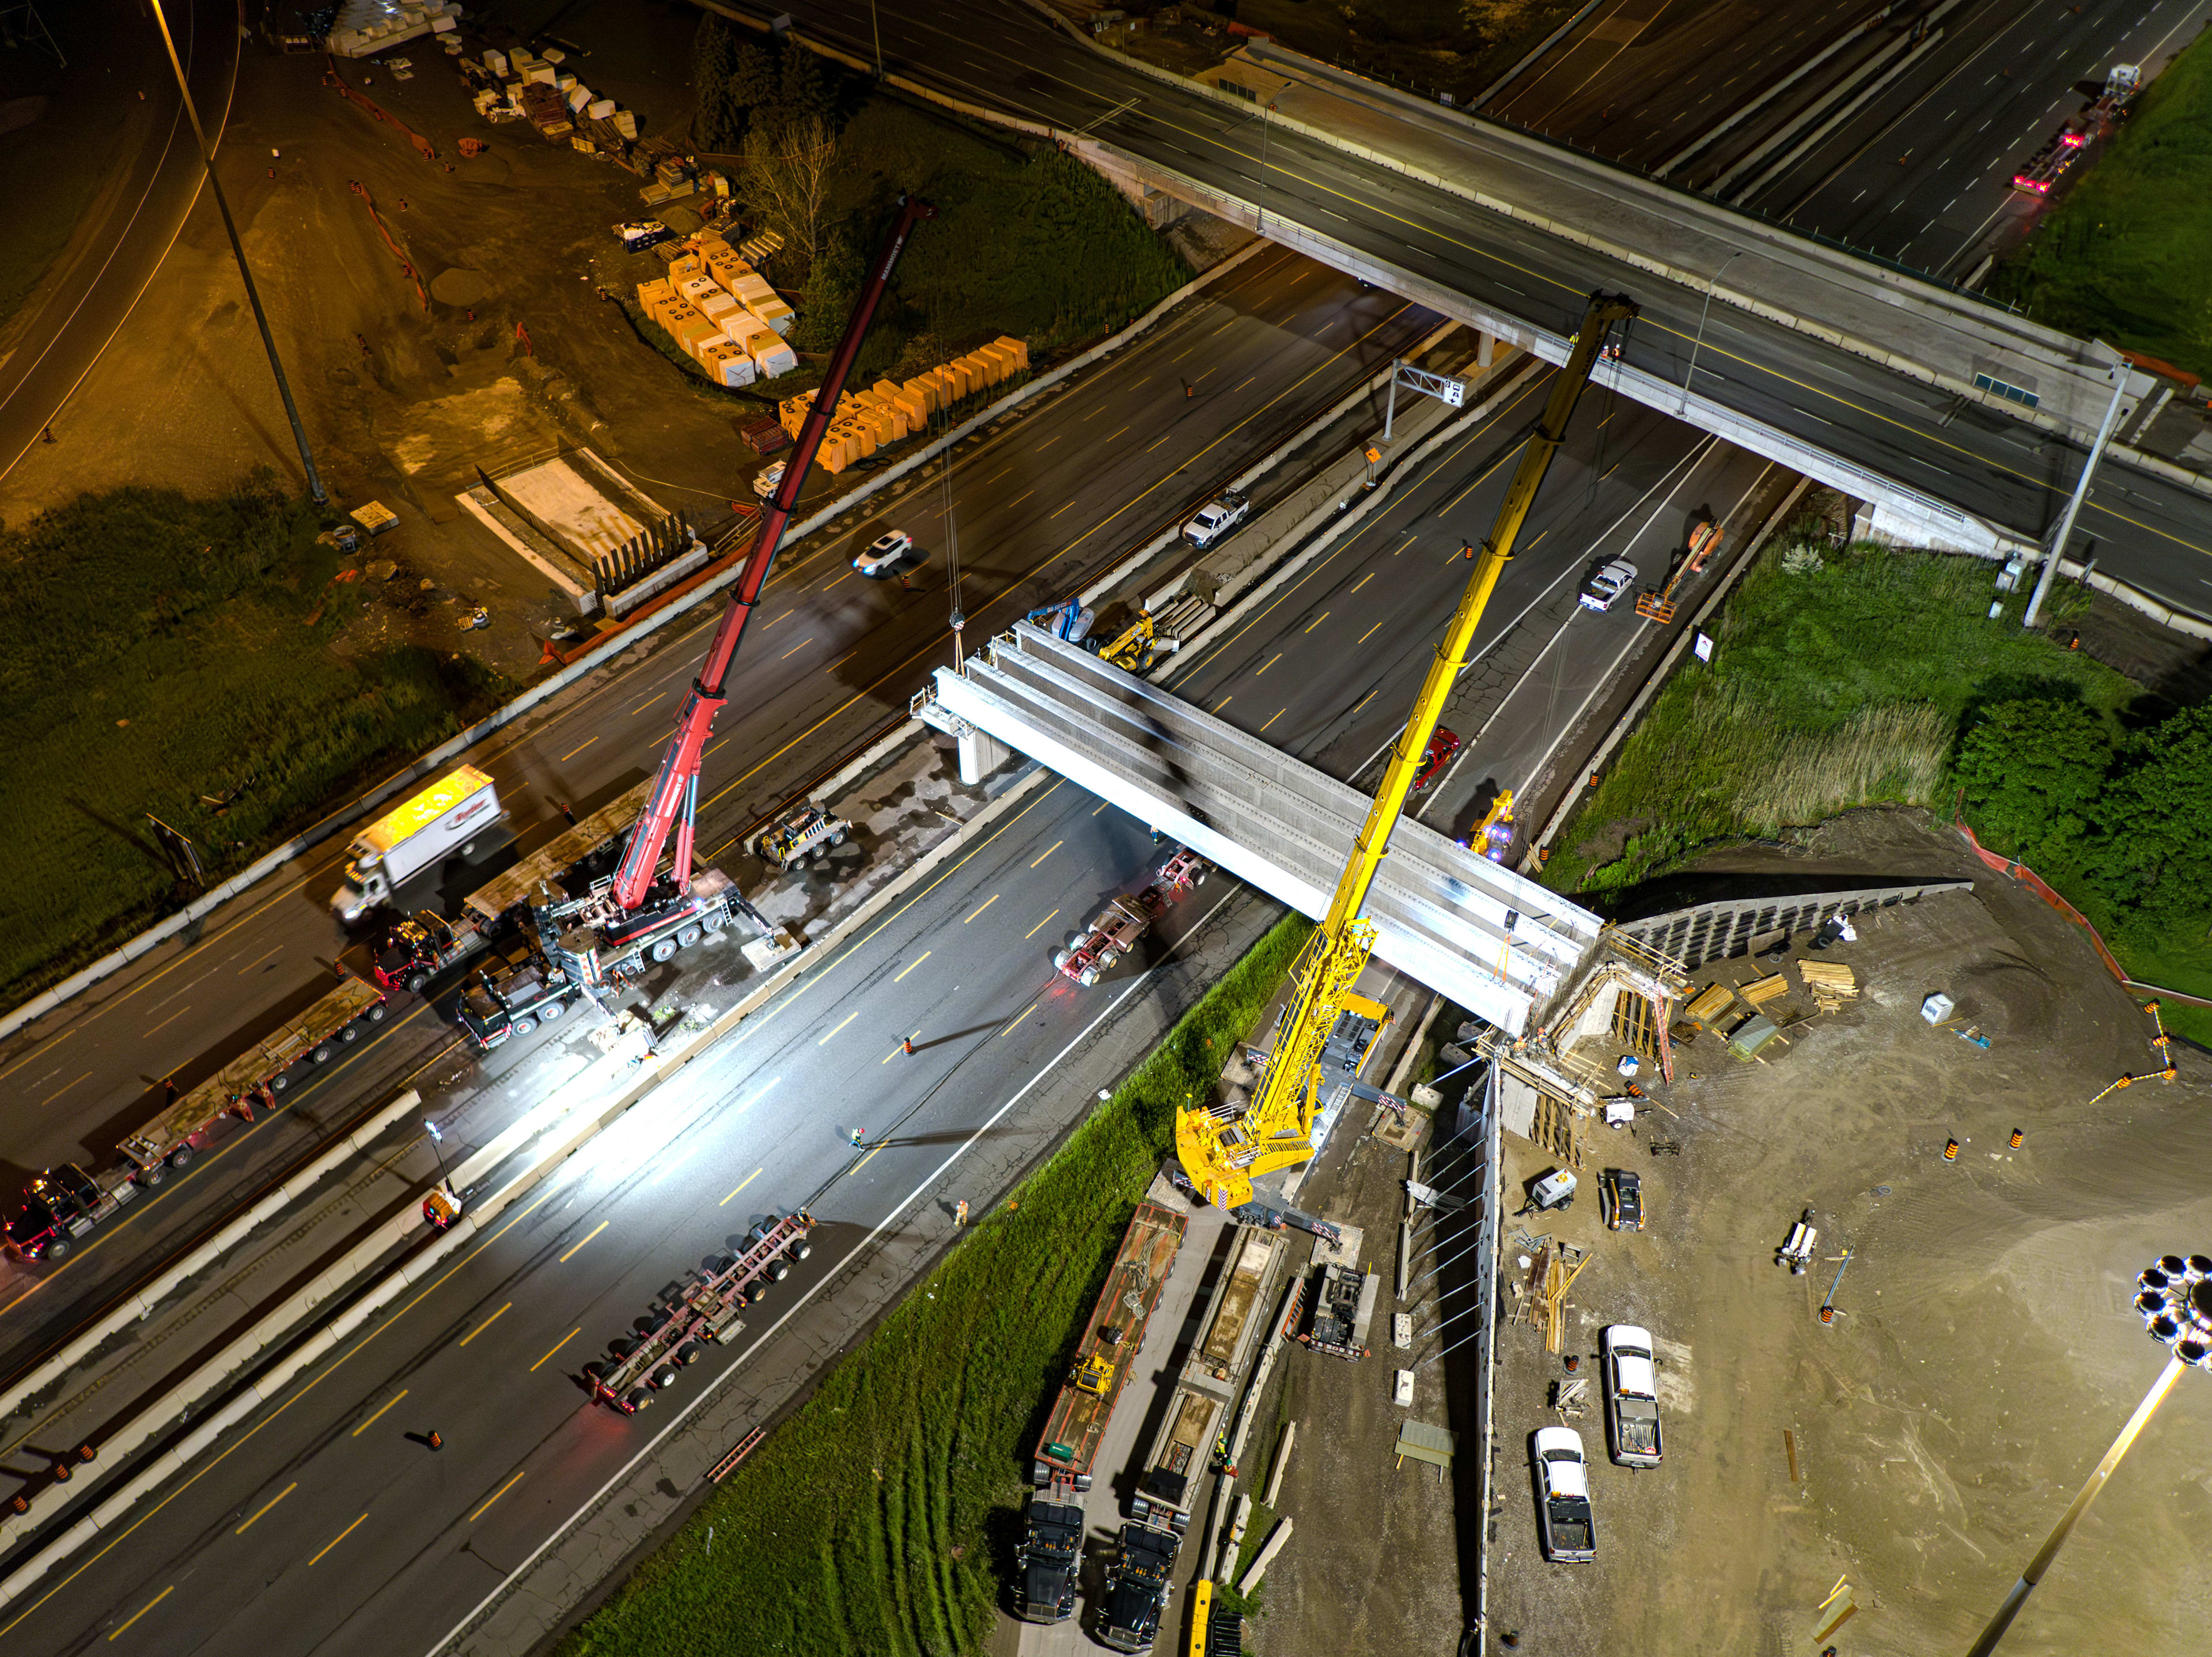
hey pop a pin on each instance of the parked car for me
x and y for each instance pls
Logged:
(1443, 744)
(883, 556)
(1620, 1199)
(1632, 1395)
(1563, 1511)
(1216, 518)
(1605, 587)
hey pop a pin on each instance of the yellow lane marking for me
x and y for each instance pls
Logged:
(486, 1324)
(159, 1597)
(555, 1347)
(34, 1052)
(1049, 443)
(1018, 1017)
(257, 960)
(1064, 509)
(1363, 582)
(865, 1161)
(1407, 542)
(266, 1506)
(643, 705)
(1369, 634)
(1039, 927)
(496, 1495)
(378, 1415)
(1269, 662)
(1272, 717)
(587, 1238)
(1100, 807)
(578, 749)
(786, 615)
(740, 1187)
(1116, 435)
(1324, 616)
(57, 1093)
(918, 960)
(1223, 702)
(339, 1538)
(1017, 500)
(988, 901)
(1047, 852)
(842, 1023)
(796, 649)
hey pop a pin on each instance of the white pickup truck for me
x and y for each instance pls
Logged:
(1216, 518)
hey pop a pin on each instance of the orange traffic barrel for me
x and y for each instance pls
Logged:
(1950, 1150)
(2016, 1137)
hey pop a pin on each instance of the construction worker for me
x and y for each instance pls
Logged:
(856, 1138)
(960, 1214)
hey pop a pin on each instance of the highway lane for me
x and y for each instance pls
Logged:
(143, 221)
(1041, 504)
(419, 1538)
(1923, 176)
(2151, 534)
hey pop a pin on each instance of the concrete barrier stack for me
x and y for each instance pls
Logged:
(722, 312)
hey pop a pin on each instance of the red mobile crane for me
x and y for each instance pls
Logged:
(641, 912)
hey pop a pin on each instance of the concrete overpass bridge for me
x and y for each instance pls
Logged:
(1963, 425)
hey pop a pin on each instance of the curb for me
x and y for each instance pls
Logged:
(600, 655)
(140, 1303)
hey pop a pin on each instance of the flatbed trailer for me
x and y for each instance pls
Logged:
(1190, 1433)
(1109, 1344)
(704, 1310)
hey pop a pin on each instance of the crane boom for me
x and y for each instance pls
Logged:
(1223, 1154)
(673, 804)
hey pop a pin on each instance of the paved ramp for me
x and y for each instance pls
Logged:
(1493, 941)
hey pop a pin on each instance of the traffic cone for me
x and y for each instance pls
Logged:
(1950, 1150)
(2016, 1137)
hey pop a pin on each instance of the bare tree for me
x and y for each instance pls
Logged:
(787, 183)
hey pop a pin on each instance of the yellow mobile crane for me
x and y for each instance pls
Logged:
(1223, 1155)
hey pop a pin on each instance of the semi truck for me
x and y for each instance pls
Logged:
(450, 817)
(63, 1205)
(1047, 1560)
(1138, 1579)
(518, 991)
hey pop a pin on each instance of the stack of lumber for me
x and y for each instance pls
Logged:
(1765, 990)
(1830, 984)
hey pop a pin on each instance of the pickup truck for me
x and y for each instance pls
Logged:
(1216, 518)
(1606, 585)
(1563, 1510)
(1632, 1395)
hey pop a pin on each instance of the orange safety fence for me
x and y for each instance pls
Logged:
(2019, 871)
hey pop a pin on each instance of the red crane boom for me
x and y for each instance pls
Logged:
(675, 799)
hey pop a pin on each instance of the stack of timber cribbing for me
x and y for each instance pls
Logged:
(1830, 984)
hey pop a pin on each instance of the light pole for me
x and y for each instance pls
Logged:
(253, 298)
(875, 29)
(1259, 208)
(2175, 1299)
(1712, 283)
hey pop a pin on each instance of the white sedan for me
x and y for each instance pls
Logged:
(883, 556)
(1563, 1509)
(1601, 589)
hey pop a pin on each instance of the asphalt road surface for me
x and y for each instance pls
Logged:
(1040, 506)
(2156, 535)
(142, 219)
(326, 1527)
(1923, 176)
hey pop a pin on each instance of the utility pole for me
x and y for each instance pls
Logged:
(2057, 548)
(1697, 343)
(268, 340)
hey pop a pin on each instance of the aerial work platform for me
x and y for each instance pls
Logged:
(1494, 942)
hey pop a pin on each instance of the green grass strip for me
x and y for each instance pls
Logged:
(882, 1518)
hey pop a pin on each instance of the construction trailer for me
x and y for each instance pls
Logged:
(1190, 1438)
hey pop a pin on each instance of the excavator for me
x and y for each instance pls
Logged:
(1222, 1150)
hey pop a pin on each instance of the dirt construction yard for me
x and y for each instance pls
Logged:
(1902, 1463)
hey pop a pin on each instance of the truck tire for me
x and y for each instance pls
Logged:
(686, 936)
(800, 1250)
(1058, 959)
(416, 980)
(621, 1346)
(778, 1269)
(375, 1014)
(662, 949)
(1198, 878)
(148, 1179)
(181, 1158)
(598, 1370)
(838, 839)
(1108, 961)
(639, 1398)
(522, 1027)
(664, 1378)
(280, 1081)
(714, 923)
(716, 1264)
(58, 1249)
(351, 1033)
(1090, 977)
(688, 1353)
(551, 1011)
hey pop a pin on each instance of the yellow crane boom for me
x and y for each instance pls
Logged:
(1223, 1154)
